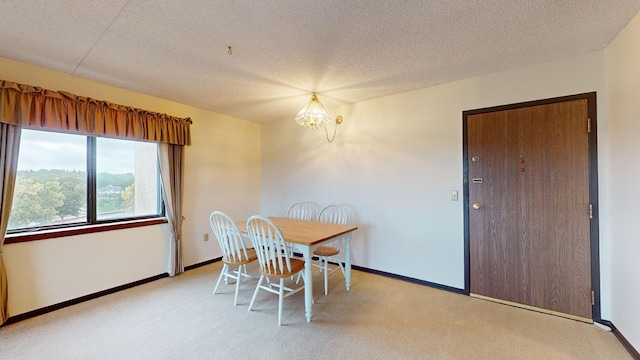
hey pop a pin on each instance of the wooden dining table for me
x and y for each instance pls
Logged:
(305, 237)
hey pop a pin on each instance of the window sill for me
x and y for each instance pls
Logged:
(80, 230)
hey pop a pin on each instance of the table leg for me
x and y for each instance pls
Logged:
(347, 262)
(308, 282)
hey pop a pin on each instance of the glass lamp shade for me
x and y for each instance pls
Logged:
(313, 115)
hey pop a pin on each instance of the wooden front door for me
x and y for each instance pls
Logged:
(529, 207)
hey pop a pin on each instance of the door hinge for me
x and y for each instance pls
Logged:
(593, 297)
(590, 211)
(588, 125)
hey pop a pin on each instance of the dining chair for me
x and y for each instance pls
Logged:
(301, 210)
(335, 214)
(274, 260)
(235, 254)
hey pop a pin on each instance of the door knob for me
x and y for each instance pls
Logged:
(476, 206)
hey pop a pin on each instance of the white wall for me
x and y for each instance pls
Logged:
(622, 75)
(396, 160)
(222, 171)
(47, 272)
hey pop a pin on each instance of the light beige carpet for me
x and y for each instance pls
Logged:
(380, 318)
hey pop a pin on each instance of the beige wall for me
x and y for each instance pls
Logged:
(222, 172)
(397, 159)
(622, 74)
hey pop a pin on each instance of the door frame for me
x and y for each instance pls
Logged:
(593, 186)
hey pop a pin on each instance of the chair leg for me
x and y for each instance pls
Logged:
(235, 299)
(255, 293)
(245, 273)
(326, 276)
(280, 296)
(225, 268)
(341, 268)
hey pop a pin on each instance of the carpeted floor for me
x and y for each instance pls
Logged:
(380, 318)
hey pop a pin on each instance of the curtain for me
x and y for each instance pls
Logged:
(34, 107)
(171, 158)
(9, 145)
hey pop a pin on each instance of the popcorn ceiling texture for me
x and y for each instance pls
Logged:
(283, 50)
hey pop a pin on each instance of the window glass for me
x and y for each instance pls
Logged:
(126, 179)
(57, 173)
(51, 185)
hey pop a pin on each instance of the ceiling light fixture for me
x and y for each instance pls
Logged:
(314, 116)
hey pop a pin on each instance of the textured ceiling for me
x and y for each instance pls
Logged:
(283, 50)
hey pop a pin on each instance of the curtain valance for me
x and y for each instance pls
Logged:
(35, 107)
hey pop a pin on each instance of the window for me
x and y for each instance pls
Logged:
(127, 181)
(66, 180)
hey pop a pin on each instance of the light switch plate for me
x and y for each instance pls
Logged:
(454, 195)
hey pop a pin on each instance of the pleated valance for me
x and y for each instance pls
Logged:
(35, 107)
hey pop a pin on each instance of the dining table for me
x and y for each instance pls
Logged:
(306, 236)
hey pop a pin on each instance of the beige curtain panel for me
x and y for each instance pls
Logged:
(35, 107)
(172, 177)
(9, 146)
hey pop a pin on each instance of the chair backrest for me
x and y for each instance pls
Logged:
(229, 237)
(335, 214)
(301, 210)
(270, 246)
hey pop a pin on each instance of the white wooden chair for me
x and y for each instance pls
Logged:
(334, 214)
(235, 255)
(274, 259)
(301, 210)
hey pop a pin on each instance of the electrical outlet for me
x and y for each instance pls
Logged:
(206, 236)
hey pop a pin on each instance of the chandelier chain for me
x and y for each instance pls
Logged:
(326, 132)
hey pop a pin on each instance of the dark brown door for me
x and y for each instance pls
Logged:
(529, 238)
